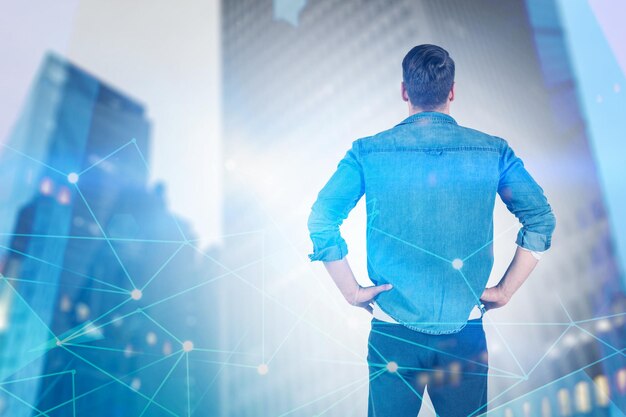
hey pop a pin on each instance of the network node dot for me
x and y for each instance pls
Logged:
(136, 294)
(135, 384)
(457, 264)
(603, 325)
(392, 366)
(58, 342)
(188, 346)
(262, 369)
(72, 177)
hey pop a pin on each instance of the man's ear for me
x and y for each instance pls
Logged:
(403, 92)
(451, 95)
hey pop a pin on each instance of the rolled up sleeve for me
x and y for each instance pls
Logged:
(333, 204)
(526, 200)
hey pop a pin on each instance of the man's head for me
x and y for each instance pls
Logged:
(428, 78)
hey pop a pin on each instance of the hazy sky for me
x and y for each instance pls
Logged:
(162, 54)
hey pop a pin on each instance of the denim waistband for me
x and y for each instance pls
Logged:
(472, 324)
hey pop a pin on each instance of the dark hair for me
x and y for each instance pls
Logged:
(428, 74)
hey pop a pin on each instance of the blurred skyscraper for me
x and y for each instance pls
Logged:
(94, 305)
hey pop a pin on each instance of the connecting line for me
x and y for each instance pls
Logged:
(496, 397)
(119, 380)
(610, 316)
(369, 379)
(476, 297)
(105, 235)
(525, 376)
(51, 386)
(106, 157)
(548, 351)
(277, 302)
(162, 383)
(208, 388)
(445, 353)
(358, 381)
(26, 255)
(161, 327)
(564, 309)
(45, 325)
(109, 349)
(12, 381)
(529, 373)
(112, 239)
(207, 350)
(552, 382)
(401, 378)
(74, 393)
(490, 242)
(286, 238)
(599, 340)
(32, 407)
(80, 331)
(298, 320)
(236, 365)
(188, 390)
(411, 244)
(412, 368)
(178, 294)
(33, 159)
(105, 384)
(33, 281)
(249, 232)
(182, 245)
(574, 324)
(293, 247)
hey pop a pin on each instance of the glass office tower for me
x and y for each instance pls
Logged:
(82, 233)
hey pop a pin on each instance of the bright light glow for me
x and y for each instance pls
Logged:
(601, 383)
(128, 351)
(603, 325)
(188, 346)
(46, 186)
(457, 264)
(63, 197)
(582, 398)
(82, 311)
(136, 384)
(262, 369)
(72, 177)
(136, 294)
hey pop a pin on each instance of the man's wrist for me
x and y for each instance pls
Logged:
(504, 293)
(352, 295)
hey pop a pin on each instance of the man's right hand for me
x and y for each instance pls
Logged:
(493, 297)
(365, 295)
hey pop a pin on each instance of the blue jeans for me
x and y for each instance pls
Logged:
(402, 362)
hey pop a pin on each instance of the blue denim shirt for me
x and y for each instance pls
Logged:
(430, 187)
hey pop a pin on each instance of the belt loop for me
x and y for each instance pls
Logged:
(482, 310)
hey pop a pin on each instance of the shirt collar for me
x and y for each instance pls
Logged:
(429, 116)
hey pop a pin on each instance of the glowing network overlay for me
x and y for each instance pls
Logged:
(181, 356)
